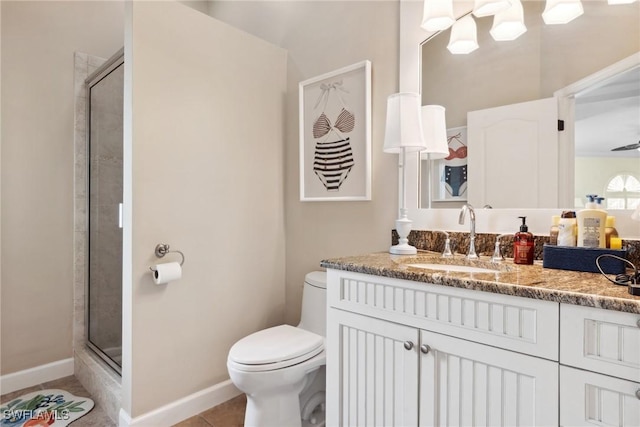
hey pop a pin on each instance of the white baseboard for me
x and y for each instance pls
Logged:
(37, 375)
(182, 409)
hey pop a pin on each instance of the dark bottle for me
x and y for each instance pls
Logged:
(523, 244)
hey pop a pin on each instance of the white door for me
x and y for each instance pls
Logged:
(587, 398)
(463, 383)
(513, 155)
(372, 378)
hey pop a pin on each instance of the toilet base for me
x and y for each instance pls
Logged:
(277, 411)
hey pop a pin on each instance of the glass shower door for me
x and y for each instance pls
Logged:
(105, 150)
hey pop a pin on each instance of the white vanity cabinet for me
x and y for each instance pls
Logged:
(600, 372)
(406, 354)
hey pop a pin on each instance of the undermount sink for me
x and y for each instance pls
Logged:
(454, 268)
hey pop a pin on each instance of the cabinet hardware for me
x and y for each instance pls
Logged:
(408, 345)
(425, 348)
(638, 393)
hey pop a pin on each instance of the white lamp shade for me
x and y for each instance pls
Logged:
(438, 15)
(464, 37)
(561, 11)
(509, 24)
(434, 127)
(489, 7)
(620, 1)
(404, 124)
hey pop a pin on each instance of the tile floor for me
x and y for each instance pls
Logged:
(228, 414)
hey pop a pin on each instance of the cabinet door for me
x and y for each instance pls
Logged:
(468, 384)
(372, 379)
(587, 398)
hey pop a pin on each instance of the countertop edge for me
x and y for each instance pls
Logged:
(532, 292)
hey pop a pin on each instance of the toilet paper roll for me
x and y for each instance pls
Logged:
(168, 272)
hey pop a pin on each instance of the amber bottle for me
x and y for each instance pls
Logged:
(523, 244)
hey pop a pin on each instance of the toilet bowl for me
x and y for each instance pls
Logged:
(281, 369)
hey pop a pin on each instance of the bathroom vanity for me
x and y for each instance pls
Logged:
(507, 345)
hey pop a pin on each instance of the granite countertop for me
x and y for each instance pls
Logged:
(529, 281)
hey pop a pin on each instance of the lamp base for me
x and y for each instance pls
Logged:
(403, 249)
(403, 227)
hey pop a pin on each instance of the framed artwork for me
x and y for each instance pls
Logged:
(335, 135)
(449, 175)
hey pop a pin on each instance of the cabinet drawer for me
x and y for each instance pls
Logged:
(587, 398)
(600, 340)
(519, 324)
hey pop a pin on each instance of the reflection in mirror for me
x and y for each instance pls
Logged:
(545, 59)
(607, 140)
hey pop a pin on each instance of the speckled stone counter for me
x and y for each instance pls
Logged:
(529, 281)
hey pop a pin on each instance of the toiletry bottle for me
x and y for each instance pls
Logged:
(567, 229)
(591, 224)
(523, 244)
(553, 234)
(610, 230)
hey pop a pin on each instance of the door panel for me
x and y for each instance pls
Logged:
(470, 384)
(373, 373)
(513, 155)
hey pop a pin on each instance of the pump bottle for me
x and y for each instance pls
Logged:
(523, 244)
(591, 223)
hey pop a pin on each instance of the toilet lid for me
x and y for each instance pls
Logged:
(277, 344)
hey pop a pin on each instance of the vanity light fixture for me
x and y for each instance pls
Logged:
(438, 15)
(464, 36)
(561, 11)
(509, 24)
(403, 133)
(489, 7)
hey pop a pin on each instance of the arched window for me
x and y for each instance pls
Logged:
(623, 192)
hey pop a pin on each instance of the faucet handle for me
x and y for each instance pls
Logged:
(446, 253)
(497, 252)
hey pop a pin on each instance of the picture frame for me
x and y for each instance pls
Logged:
(449, 175)
(335, 135)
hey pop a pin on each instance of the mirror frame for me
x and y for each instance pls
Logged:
(489, 220)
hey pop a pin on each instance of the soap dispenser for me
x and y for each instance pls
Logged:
(523, 244)
(592, 223)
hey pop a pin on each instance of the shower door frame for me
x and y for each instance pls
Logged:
(110, 65)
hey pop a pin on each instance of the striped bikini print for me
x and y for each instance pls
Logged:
(333, 162)
(345, 123)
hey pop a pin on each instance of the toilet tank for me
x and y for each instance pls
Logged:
(314, 303)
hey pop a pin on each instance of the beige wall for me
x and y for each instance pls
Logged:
(207, 173)
(168, 323)
(322, 36)
(38, 41)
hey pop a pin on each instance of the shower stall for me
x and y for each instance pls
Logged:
(103, 293)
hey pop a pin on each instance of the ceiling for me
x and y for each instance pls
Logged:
(608, 116)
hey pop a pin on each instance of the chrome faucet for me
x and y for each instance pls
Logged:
(472, 234)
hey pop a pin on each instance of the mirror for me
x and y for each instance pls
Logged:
(545, 60)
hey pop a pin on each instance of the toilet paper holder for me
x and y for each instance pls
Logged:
(162, 249)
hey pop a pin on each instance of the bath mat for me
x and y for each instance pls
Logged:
(44, 408)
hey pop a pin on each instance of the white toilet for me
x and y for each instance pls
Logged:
(282, 369)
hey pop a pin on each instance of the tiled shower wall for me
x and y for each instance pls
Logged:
(100, 380)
